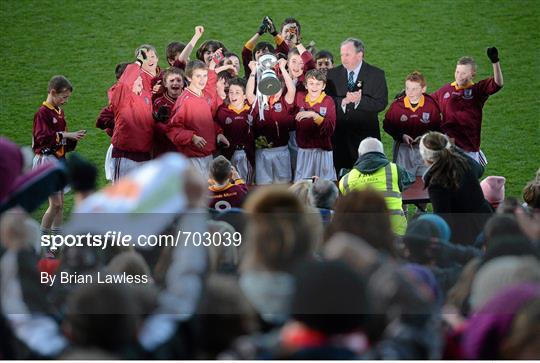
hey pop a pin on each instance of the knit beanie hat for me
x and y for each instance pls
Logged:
(440, 223)
(499, 273)
(493, 188)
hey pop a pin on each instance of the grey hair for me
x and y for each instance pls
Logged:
(145, 47)
(323, 194)
(357, 43)
(369, 145)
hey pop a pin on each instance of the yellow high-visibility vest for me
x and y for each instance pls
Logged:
(384, 180)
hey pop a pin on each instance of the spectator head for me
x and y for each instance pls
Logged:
(278, 233)
(352, 53)
(493, 189)
(500, 273)
(531, 194)
(364, 214)
(444, 229)
(301, 189)
(500, 225)
(330, 297)
(221, 169)
(448, 166)
(102, 316)
(370, 145)
(421, 238)
(323, 194)
(130, 262)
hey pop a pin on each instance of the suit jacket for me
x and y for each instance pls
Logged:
(356, 124)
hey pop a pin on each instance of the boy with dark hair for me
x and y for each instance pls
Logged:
(227, 189)
(237, 121)
(461, 103)
(315, 123)
(207, 50)
(324, 60)
(192, 128)
(408, 118)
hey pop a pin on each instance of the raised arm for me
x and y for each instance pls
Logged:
(493, 54)
(184, 56)
(291, 89)
(250, 86)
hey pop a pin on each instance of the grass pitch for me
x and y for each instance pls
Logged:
(84, 40)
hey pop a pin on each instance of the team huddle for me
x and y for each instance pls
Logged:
(311, 127)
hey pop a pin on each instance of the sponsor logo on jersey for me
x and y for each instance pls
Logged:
(403, 118)
(425, 117)
(446, 95)
(54, 120)
(323, 111)
(146, 100)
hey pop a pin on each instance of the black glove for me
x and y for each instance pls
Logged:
(162, 114)
(141, 57)
(493, 54)
(271, 27)
(263, 28)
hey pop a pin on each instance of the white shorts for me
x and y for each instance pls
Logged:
(202, 165)
(478, 156)
(409, 158)
(273, 165)
(43, 159)
(109, 165)
(315, 162)
(123, 166)
(243, 167)
(293, 148)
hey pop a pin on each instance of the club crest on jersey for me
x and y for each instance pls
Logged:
(322, 111)
(278, 107)
(425, 117)
(446, 95)
(403, 118)
(467, 93)
(228, 121)
(146, 100)
(54, 120)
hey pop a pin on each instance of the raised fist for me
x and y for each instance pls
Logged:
(263, 28)
(270, 24)
(199, 30)
(493, 54)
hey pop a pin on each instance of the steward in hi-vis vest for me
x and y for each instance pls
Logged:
(374, 170)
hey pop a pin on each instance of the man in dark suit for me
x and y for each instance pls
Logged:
(360, 93)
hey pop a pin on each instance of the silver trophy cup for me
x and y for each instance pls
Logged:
(268, 82)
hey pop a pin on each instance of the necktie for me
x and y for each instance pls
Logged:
(350, 82)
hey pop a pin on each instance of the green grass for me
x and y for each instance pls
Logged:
(84, 40)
